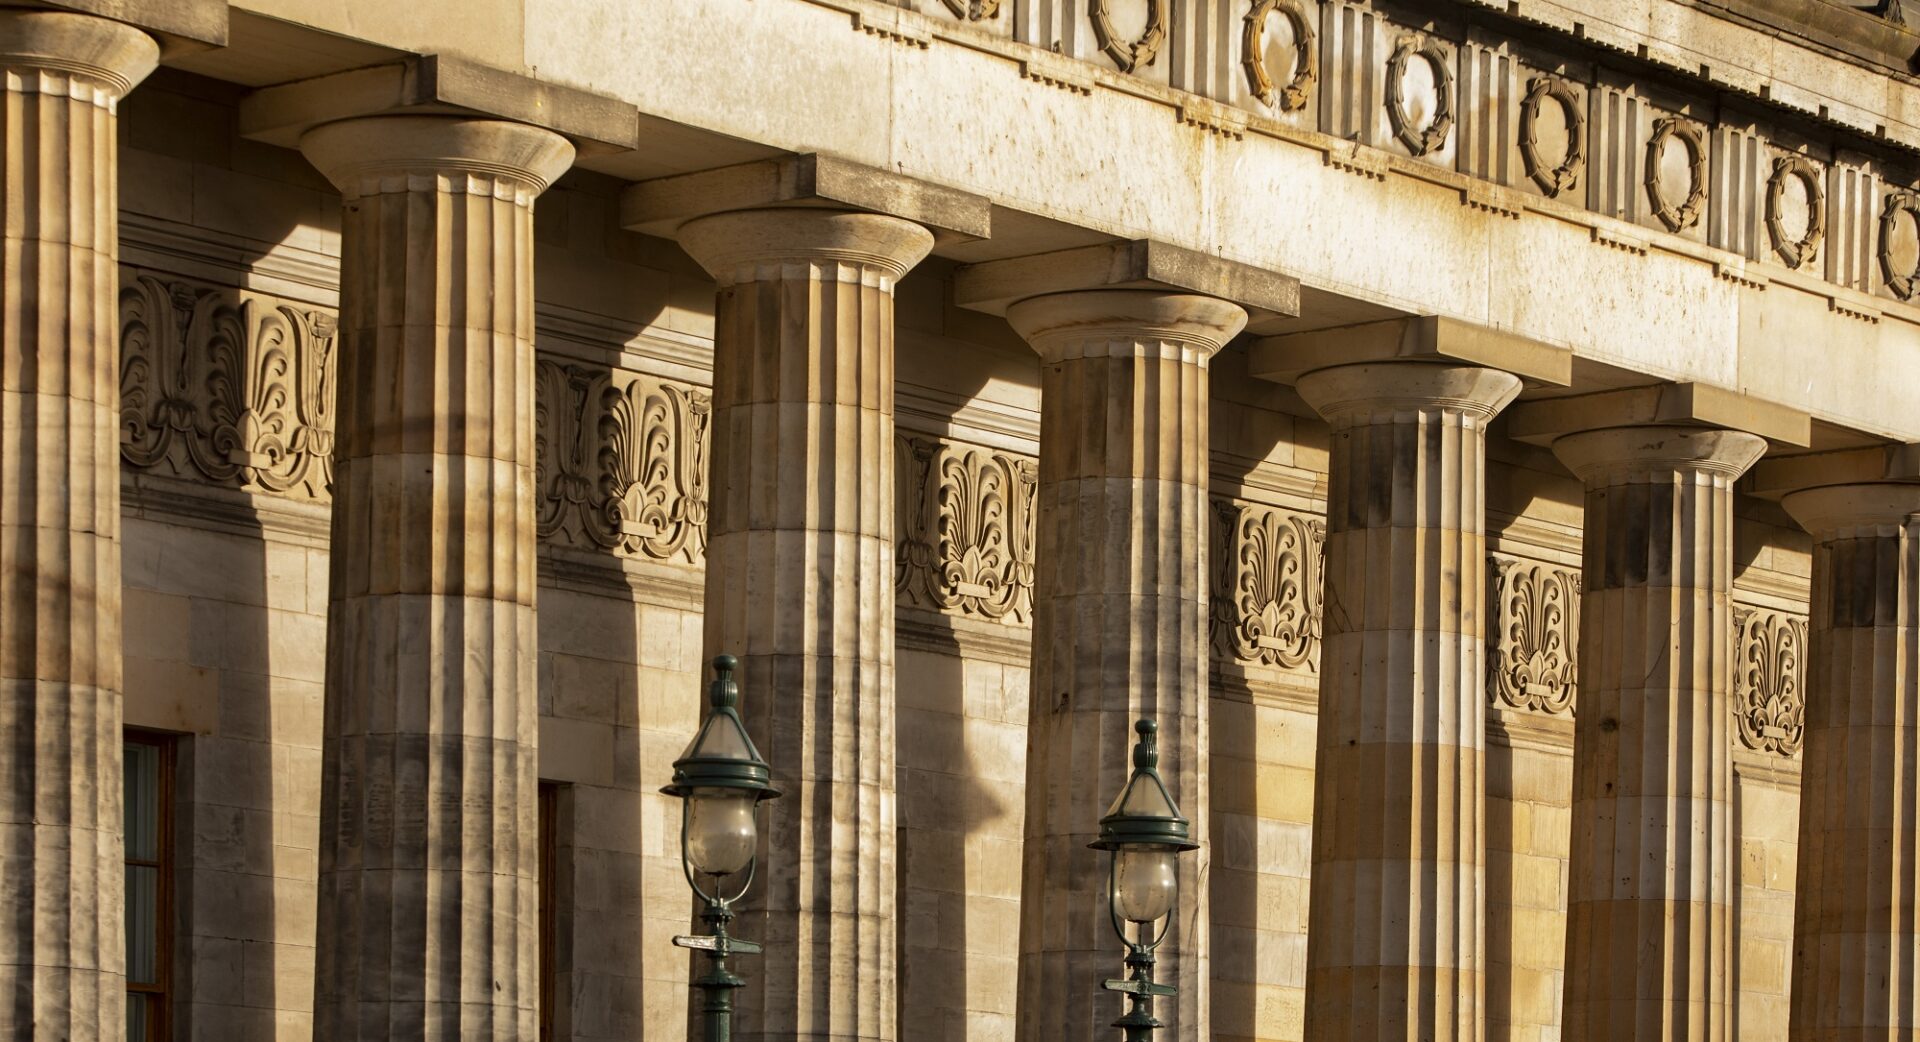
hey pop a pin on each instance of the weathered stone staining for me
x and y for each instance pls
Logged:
(427, 858)
(1650, 936)
(1397, 923)
(1855, 923)
(62, 945)
(800, 585)
(1120, 631)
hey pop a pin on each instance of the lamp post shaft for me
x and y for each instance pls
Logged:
(718, 983)
(1139, 1023)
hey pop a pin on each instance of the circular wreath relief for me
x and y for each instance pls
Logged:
(1420, 142)
(1900, 282)
(1129, 55)
(1687, 214)
(1253, 55)
(1796, 252)
(1563, 176)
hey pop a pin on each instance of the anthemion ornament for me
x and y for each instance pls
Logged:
(1433, 137)
(1687, 213)
(1564, 175)
(1129, 55)
(1294, 93)
(1899, 283)
(223, 382)
(966, 527)
(1795, 252)
(1768, 702)
(622, 462)
(1536, 624)
(1267, 586)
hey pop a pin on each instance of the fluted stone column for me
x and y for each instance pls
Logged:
(427, 924)
(1397, 910)
(1856, 925)
(1651, 883)
(1120, 608)
(62, 940)
(800, 587)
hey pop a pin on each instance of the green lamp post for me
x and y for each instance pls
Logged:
(720, 780)
(1144, 831)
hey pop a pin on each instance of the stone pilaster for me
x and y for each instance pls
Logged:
(427, 892)
(1651, 884)
(1856, 927)
(800, 587)
(62, 940)
(1120, 609)
(1397, 908)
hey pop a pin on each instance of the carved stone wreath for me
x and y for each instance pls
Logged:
(1253, 55)
(1564, 175)
(1796, 252)
(974, 10)
(1687, 213)
(1129, 55)
(1899, 282)
(1420, 142)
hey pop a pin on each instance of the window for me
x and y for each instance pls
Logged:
(149, 907)
(548, 908)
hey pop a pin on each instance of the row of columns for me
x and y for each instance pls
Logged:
(427, 886)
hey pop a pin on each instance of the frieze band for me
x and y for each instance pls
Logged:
(1636, 151)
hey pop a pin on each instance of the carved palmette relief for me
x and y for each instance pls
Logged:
(966, 529)
(1769, 703)
(622, 461)
(1536, 626)
(225, 384)
(1266, 597)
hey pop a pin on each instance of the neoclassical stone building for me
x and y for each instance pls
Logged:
(1485, 434)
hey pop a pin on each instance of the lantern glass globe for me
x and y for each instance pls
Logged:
(1144, 883)
(721, 832)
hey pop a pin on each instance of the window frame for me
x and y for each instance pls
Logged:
(160, 993)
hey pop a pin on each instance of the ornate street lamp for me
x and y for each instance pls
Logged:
(720, 780)
(1144, 830)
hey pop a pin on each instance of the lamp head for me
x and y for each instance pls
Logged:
(1144, 816)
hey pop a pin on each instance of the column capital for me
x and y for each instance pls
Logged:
(1832, 511)
(1610, 454)
(1418, 338)
(1148, 264)
(732, 246)
(1126, 322)
(378, 154)
(112, 55)
(1542, 420)
(664, 205)
(1348, 394)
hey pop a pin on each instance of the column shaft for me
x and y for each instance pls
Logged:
(1120, 608)
(1397, 908)
(800, 588)
(1856, 927)
(1650, 891)
(427, 855)
(62, 941)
